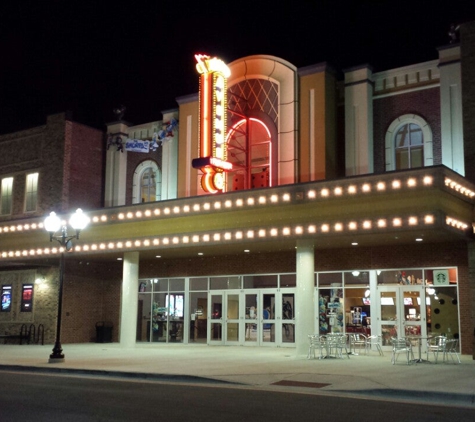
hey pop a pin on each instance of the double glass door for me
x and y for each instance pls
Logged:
(402, 312)
(252, 317)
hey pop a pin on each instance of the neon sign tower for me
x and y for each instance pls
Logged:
(212, 117)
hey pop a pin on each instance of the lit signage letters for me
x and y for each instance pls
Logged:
(212, 134)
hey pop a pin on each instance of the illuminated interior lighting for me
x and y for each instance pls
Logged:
(250, 234)
(352, 189)
(338, 191)
(381, 186)
(158, 256)
(381, 223)
(238, 235)
(247, 250)
(354, 243)
(286, 197)
(196, 207)
(325, 228)
(274, 232)
(427, 180)
(429, 219)
(138, 214)
(206, 238)
(274, 198)
(324, 192)
(130, 215)
(166, 211)
(312, 194)
(419, 239)
(312, 229)
(367, 224)
(250, 201)
(200, 254)
(262, 233)
(366, 187)
(286, 231)
(411, 182)
(412, 221)
(338, 227)
(176, 210)
(119, 259)
(352, 225)
(228, 204)
(299, 229)
(239, 202)
(397, 222)
(206, 206)
(262, 199)
(396, 184)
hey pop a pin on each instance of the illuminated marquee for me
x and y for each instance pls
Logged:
(212, 134)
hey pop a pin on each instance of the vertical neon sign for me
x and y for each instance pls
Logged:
(212, 117)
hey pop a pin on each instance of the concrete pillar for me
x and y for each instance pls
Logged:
(129, 304)
(304, 300)
(359, 121)
(116, 165)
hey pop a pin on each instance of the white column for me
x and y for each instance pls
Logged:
(129, 300)
(304, 300)
(359, 121)
(451, 118)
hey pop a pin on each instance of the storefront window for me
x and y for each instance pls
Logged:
(200, 283)
(356, 278)
(401, 277)
(357, 305)
(225, 283)
(260, 281)
(288, 280)
(198, 317)
(330, 279)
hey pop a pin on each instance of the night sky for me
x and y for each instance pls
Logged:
(88, 57)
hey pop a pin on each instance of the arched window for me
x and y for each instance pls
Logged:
(250, 151)
(408, 143)
(147, 183)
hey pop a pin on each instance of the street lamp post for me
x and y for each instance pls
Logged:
(53, 224)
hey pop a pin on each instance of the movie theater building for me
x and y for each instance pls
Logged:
(275, 203)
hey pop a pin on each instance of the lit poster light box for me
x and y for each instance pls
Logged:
(387, 301)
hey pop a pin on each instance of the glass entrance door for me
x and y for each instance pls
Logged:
(225, 317)
(401, 312)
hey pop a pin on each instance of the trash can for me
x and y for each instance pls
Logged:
(104, 332)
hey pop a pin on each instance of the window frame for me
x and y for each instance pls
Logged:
(32, 179)
(390, 141)
(137, 182)
(8, 195)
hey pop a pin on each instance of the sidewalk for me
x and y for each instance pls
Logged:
(268, 368)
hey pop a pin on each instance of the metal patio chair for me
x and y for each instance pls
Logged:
(401, 345)
(436, 345)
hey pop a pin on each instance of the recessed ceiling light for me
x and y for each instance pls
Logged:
(247, 250)
(119, 259)
(419, 239)
(200, 253)
(354, 243)
(158, 256)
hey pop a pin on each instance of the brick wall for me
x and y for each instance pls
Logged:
(425, 103)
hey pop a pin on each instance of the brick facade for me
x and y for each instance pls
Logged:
(425, 103)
